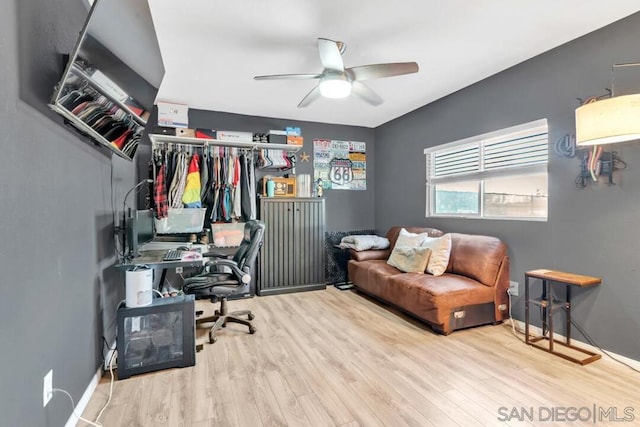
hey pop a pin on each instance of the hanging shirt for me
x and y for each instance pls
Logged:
(237, 189)
(204, 176)
(179, 181)
(191, 195)
(160, 194)
(245, 192)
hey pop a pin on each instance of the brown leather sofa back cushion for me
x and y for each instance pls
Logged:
(478, 257)
(393, 233)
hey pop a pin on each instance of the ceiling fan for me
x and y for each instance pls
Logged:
(336, 81)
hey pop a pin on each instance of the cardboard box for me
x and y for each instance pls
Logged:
(285, 187)
(234, 136)
(205, 133)
(161, 130)
(295, 140)
(187, 133)
(276, 138)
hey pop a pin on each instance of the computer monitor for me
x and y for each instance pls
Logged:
(140, 230)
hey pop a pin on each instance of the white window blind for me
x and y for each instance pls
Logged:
(520, 151)
(518, 148)
(457, 173)
(457, 161)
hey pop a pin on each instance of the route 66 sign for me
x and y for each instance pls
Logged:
(341, 171)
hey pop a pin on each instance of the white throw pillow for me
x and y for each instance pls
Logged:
(440, 251)
(411, 240)
(409, 260)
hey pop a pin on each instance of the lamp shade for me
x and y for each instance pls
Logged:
(608, 121)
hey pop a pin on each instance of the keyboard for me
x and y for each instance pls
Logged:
(172, 255)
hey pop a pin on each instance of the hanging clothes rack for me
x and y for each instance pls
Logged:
(156, 138)
(226, 177)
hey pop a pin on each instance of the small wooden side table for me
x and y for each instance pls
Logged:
(346, 284)
(548, 304)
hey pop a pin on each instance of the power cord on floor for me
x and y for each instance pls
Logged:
(95, 423)
(110, 387)
(577, 326)
(73, 408)
(593, 343)
(513, 325)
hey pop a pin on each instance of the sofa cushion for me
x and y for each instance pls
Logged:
(410, 240)
(370, 254)
(393, 233)
(422, 294)
(477, 257)
(440, 251)
(410, 260)
(372, 275)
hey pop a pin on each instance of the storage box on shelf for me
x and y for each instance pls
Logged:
(227, 235)
(186, 220)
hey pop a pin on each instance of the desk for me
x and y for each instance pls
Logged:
(548, 304)
(153, 259)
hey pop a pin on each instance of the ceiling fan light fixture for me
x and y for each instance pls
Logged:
(337, 86)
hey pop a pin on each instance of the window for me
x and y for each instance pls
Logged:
(499, 175)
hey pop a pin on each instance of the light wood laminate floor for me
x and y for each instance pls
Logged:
(336, 358)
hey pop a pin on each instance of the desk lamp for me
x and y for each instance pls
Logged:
(124, 211)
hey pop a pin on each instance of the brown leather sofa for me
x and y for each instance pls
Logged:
(472, 291)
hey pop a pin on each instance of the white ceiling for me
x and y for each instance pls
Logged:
(212, 49)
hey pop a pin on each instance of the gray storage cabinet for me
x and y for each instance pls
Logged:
(292, 256)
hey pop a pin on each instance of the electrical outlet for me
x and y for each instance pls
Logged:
(513, 288)
(178, 270)
(107, 360)
(47, 388)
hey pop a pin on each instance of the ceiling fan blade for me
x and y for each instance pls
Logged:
(288, 76)
(376, 71)
(312, 96)
(363, 92)
(330, 55)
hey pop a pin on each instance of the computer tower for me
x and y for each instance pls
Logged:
(157, 336)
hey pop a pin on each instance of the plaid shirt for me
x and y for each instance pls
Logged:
(160, 194)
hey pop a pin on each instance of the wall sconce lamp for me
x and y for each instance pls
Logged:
(607, 121)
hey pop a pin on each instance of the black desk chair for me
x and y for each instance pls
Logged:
(218, 283)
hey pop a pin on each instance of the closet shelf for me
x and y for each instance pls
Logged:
(157, 138)
(76, 69)
(82, 127)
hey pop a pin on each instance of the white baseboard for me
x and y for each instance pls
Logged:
(84, 400)
(535, 330)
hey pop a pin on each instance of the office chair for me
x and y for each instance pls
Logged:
(216, 282)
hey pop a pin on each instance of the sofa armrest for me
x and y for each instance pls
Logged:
(370, 254)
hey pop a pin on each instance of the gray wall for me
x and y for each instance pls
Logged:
(591, 231)
(59, 287)
(346, 209)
